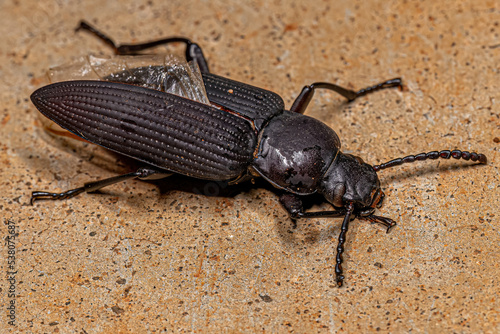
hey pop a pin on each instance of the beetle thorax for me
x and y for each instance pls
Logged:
(295, 151)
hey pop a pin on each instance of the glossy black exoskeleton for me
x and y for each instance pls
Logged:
(242, 133)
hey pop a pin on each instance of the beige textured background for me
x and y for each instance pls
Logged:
(144, 257)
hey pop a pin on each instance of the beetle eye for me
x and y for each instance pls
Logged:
(377, 197)
(338, 193)
(358, 159)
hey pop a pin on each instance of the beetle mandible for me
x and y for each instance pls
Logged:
(244, 132)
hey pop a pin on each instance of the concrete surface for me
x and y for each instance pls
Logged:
(143, 257)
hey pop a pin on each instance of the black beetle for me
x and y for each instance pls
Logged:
(244, 132)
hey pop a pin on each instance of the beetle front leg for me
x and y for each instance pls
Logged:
(141, 173)
(388, 223)
(193, 50)
(302, 101)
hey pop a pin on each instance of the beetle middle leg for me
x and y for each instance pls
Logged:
(193, 50)
(142, 173)
(302, 101)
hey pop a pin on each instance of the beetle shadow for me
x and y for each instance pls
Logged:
(178, 182)
(309, 231)
(292, 233)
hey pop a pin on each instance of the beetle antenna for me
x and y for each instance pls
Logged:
(446, 154)
(340, 247)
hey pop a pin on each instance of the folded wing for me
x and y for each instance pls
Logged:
(158, 128)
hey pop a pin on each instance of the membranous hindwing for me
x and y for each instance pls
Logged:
(167, 73)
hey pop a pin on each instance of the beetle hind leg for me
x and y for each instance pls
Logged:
(193, 50)
(141, 173)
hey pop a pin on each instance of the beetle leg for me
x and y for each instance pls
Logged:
(193, 50)
(302, 101)
(141, 173)
(293, 204)
(387, 222)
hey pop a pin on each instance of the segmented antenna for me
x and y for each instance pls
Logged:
(446, 154)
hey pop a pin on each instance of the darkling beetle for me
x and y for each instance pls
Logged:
(243, 133)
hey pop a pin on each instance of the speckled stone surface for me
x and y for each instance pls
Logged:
(144, 257)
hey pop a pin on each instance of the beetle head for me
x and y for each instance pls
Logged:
(349, 179)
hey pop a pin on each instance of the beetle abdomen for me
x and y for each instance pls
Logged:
(160, 129)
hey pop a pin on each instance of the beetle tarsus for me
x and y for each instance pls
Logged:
(106, 39)
(43, 195)
(396, 82)
(302, 101)
(388, 223)
(141, 173)
(193, 50)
